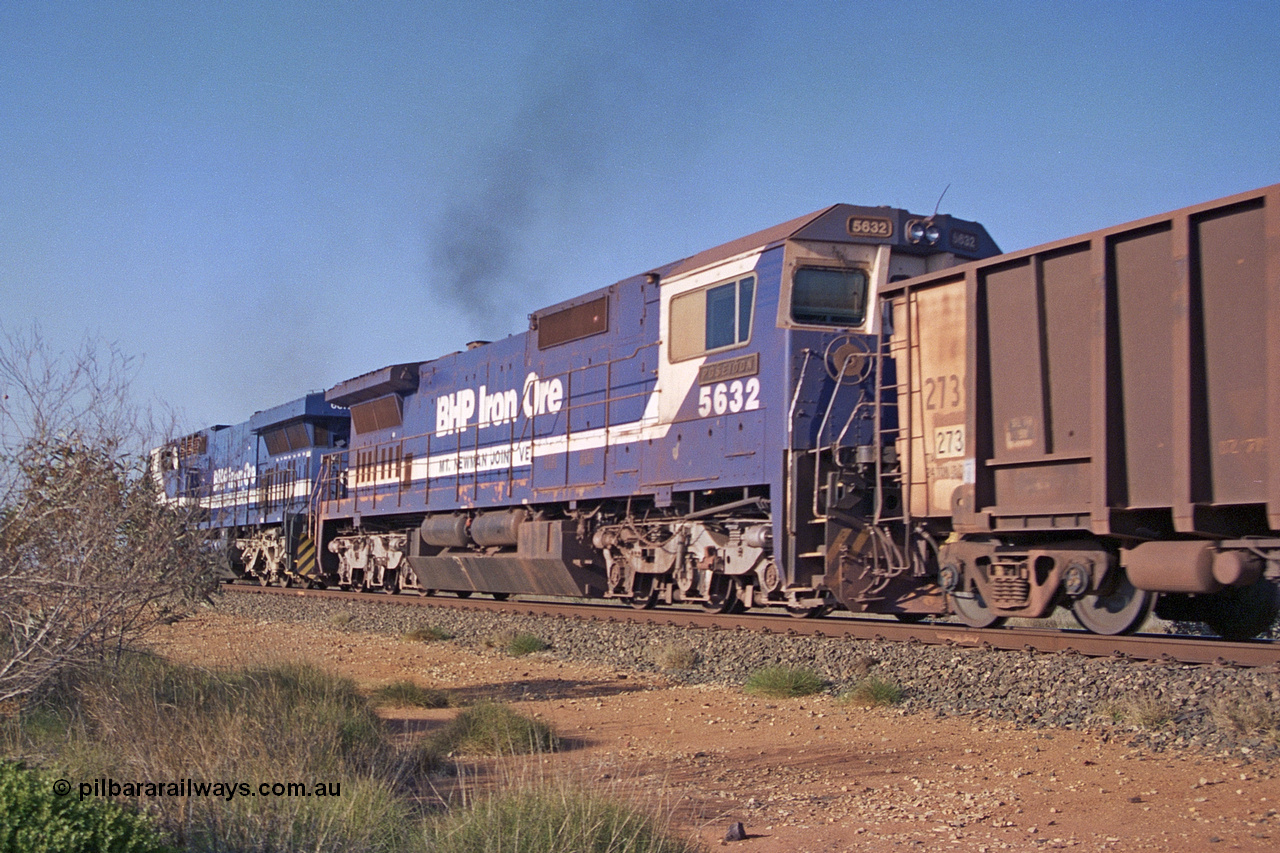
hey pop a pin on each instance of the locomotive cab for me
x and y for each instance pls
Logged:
(773, 343)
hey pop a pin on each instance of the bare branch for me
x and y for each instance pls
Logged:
(89, 557)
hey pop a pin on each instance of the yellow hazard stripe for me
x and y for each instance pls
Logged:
(305, 562)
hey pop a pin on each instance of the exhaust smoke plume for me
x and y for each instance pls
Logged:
(548, 152)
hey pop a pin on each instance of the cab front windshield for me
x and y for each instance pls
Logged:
(829, 297)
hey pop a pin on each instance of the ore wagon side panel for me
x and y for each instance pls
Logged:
(1037, 354)
(1195, 327)
(1121, 382)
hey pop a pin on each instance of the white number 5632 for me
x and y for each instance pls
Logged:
(734, 396)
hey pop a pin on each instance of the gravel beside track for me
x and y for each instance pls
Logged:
(1030, 689)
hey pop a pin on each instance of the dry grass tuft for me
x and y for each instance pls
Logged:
(1251, 714)
(406, 694)
(1146, 709)
(426, 634)
(873, 692)
(673, 655)
(517, 643)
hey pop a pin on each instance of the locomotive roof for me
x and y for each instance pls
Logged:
(833, 224)
(830, 224)
(313, 405)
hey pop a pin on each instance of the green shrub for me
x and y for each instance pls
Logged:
(526, 644)
(546, 819)
(487, 728)
(782, 682)
(872, 692)
(34, 818)
(406, 694)
(426, 634)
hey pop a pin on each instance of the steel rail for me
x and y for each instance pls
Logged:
(1138, 647)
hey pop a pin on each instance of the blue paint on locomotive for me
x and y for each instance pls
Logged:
(253, 473)
(606, 409)
(709, 382)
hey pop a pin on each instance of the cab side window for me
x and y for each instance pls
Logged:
(712, 318)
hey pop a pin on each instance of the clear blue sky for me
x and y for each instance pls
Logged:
(261, 199)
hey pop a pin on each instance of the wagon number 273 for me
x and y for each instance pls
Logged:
(942, 393)
(735, 396)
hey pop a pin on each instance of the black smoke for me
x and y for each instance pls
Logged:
(551, 149)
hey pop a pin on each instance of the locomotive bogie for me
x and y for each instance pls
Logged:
(262, 556)
(369, 561)
(719, 565)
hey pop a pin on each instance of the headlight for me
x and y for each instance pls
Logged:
(932, 234)
(915, 231)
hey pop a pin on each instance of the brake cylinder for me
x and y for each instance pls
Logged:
(1171, 567)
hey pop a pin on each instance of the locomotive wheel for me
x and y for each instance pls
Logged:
(723, 597)
(973, 611)
(1122, 611)
(644, 593)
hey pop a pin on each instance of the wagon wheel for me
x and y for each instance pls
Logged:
(799, 611)
(973, 611)
(1242, 613)
(1120, 611)
(500, 596)
(462, 593)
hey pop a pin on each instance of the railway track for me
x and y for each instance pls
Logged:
(1156, 647)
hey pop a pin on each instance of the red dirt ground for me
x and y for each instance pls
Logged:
(801, 774)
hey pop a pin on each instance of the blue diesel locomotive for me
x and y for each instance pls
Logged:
(254, 482)
(703, 432)
(861, 408)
